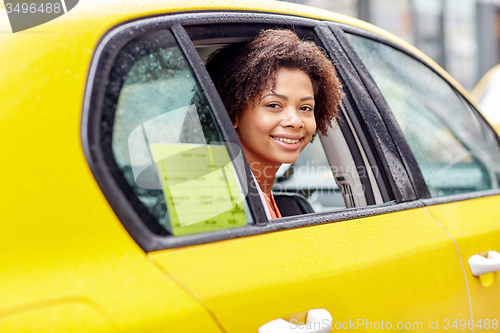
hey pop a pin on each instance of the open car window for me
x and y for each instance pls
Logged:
(326, 174)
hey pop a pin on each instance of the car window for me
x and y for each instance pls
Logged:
(166, 144)
(455, 150)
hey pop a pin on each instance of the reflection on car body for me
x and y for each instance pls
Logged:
(486, 95)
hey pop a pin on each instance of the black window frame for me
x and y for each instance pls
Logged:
(399, 138)
(112, 43)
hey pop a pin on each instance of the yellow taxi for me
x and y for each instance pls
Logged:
(127, 205)
(486, 95)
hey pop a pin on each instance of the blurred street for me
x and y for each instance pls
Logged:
(463, 36)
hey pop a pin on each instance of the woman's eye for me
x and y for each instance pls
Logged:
(273, 105)
(306, 108)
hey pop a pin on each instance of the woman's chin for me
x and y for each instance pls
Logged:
(289, 159)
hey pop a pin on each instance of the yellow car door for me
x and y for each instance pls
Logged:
(473, 221)
(393, 270)
(391, 265)
(458, 156)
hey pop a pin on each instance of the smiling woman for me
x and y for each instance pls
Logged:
(278, 90)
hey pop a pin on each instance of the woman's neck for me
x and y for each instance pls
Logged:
(265, 175)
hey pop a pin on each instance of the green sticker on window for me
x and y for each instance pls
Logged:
(200, 187)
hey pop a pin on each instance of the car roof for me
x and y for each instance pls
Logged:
(89, 21)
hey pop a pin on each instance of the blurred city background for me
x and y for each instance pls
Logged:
(463, 36)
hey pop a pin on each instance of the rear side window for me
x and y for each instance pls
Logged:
(455, 150)
(164, 145)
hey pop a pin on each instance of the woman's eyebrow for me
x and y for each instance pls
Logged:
(306, 98)
(277, 95)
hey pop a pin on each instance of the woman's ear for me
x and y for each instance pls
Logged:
(235, 123)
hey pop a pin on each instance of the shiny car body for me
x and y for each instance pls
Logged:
(91, 241)
(486, 95)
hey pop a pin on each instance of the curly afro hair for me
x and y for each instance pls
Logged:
(242, 71)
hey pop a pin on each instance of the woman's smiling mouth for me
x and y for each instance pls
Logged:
(285, 140)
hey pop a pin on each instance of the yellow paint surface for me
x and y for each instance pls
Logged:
(475, 225)
(394, 267)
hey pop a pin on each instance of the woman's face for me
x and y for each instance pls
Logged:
(275, 128)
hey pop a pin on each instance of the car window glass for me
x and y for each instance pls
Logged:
(166, 142)
(455, 151)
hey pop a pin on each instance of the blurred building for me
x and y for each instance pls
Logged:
(463, 36)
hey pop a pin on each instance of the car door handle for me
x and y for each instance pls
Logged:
(317, 321)
(480, 265)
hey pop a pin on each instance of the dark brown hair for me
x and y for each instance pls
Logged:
(242, 71)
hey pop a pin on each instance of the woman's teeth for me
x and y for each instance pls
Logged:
(286, 140)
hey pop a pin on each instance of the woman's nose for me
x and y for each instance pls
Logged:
(291, 118)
